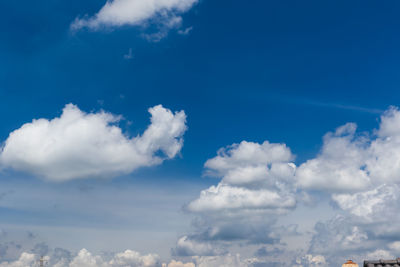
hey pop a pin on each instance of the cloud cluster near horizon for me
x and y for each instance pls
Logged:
(117, 13)
(84, 258)
(260, 183)
(83, 145)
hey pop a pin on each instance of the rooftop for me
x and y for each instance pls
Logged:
(383, 263)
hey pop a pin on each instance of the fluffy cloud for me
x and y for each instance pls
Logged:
(247, 154)
(351, 162)
(380, 254)
(26, 259)
(384, 162)
(128, 258)
(373, 205)
(310, 260)
(339, 167)
(338, 235)
(117, 13)
(257, 186)
(188, 247)
(259, 183)
(133, 258)
(80, 145)
(369, 221)
(361, 171)
(226, 197)
(86, 259)
(254, 176)
(350, 237)
(395, 246)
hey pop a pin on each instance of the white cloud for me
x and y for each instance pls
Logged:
(86, 259)
(340, 238)
(254, 176)
(185, 31)
(395, 246)
(187, 247)
(384, 163)
(380, 254)
(116, 13)
(256, 187)
(226, 197)
(128, 258)
(129, 55)
(315, 260)
(133, 258)
(25, 260)
(390, 123)
(351, 162)
(80, 145)
(248, 154)
(310, 260)
(339, 165)
(259, 183)
(371, 205)
(361, 171)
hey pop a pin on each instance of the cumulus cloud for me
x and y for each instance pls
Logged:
(133, 258)
(372, 205)
(26, 259)
(338, 235)
(130, 258)
(339, 167)
(86, 259)
(380, 254)
(260, 182)
(80, 145)
(226, 197)
(189, 247)
(369, 221)
(253, 176)
(256, 187)
(351, 162)
(116, 13)
(349, 237)
(361, 173)
(395, 246)
(310, 260)
(248, 154)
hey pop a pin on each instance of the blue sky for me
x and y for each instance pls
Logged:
(286, 72)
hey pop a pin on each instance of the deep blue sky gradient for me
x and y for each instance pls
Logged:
(283, 71)
(264, 70)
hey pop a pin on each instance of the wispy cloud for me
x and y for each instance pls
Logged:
(317, 103)
(129, 55)
(341, 106)
(185, 31)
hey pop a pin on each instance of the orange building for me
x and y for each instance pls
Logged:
(350, 263)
